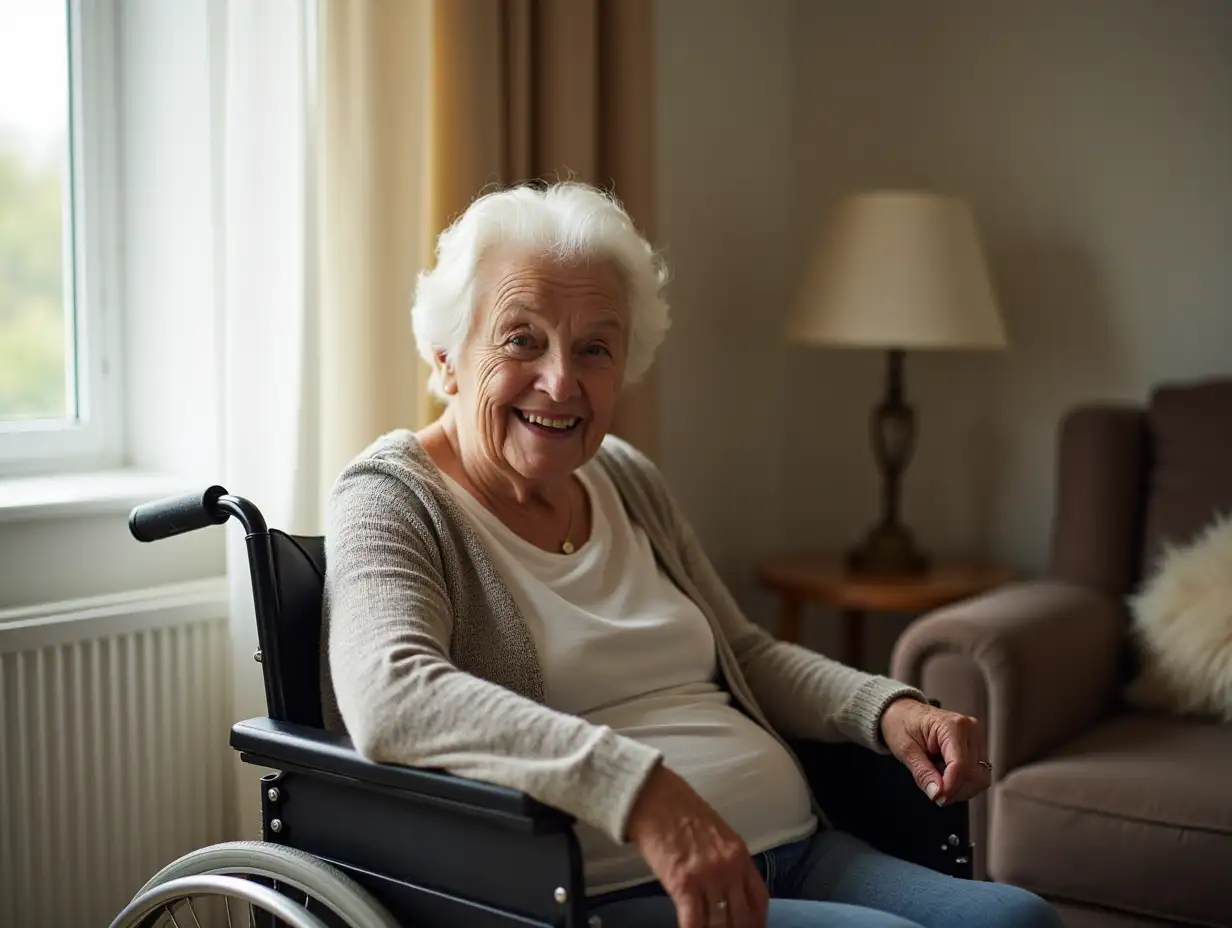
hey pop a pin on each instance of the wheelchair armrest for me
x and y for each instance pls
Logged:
(874, 797)
(287, 746)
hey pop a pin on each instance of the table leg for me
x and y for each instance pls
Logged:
(853, 638)
(790, 610)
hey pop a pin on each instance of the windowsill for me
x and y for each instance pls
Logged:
(24, 499)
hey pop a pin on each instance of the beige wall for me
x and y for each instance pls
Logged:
(1094, 140)
(724, 220)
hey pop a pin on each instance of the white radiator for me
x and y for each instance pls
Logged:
(114, 716)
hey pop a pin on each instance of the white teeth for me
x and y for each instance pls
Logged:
(550, 423)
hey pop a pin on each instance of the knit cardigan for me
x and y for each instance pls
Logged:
(429, 663)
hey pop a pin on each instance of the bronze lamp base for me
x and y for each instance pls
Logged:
(889, 548)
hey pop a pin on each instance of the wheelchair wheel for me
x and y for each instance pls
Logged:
(328, 897)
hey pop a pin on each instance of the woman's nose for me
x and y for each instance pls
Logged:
(557, 377)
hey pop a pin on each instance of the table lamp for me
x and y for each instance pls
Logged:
(897, 271)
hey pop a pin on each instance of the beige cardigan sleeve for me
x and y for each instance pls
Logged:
(404, 702)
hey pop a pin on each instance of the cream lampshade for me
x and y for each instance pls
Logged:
(896, 271)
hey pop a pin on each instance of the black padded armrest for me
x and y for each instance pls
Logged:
(287, 746)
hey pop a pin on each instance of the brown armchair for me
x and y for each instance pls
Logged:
(1120, 817)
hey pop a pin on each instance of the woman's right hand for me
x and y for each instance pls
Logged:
(701, 862)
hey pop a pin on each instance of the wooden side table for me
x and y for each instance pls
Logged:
(801, 579)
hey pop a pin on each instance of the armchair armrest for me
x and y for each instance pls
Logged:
(287, 746)
(1046, 652)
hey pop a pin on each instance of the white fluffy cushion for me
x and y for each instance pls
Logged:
(1182, 623)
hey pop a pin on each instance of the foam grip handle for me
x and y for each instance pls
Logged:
(176, 515)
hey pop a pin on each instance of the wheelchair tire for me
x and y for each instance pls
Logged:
(326, 885)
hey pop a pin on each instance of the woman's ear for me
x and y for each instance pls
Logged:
(449, 379)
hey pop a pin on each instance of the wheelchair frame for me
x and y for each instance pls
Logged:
(438, 849)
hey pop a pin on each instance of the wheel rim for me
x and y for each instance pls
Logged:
(288, 887)
(233, 900)
(333, 896)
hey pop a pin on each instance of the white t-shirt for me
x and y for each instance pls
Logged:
(620, 645)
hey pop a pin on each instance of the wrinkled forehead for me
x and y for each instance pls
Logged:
(513, 281)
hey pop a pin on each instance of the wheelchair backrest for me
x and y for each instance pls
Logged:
(299, 572)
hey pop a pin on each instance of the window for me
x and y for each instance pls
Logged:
(59, 400)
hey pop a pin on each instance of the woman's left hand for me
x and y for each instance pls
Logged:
(916, 732)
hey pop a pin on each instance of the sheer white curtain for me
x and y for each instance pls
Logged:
(320, 115)
(265, 253)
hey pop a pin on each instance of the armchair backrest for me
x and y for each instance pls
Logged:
(1189, 477)
(1097, 522)
(1133, 479)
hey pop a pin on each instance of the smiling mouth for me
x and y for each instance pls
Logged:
(550, 425)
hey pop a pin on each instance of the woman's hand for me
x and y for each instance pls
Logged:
(704, 865)
(915, 732)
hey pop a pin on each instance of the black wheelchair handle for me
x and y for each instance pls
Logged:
(176, 515)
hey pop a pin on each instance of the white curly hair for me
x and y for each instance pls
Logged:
(565, 221)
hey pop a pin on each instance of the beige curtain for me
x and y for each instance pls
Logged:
(374, 68)
(424, 105)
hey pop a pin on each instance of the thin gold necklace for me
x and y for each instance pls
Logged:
(567, 546)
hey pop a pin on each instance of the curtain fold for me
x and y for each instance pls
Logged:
(374, 237)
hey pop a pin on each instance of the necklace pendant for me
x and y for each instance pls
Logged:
(567, 547)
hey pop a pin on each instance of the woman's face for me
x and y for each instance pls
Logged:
(535, 384)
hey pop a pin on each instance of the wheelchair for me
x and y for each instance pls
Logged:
(348, 843)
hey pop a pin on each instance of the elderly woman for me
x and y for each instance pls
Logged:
(514, 596)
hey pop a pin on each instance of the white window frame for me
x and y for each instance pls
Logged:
(93, 230)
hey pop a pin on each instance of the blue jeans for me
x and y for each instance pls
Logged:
(833, 880)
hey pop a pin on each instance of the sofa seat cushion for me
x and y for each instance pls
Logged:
(1135, 815)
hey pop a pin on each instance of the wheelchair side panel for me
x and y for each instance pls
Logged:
(427, 866)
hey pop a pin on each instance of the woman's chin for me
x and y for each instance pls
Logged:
(546, 459)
